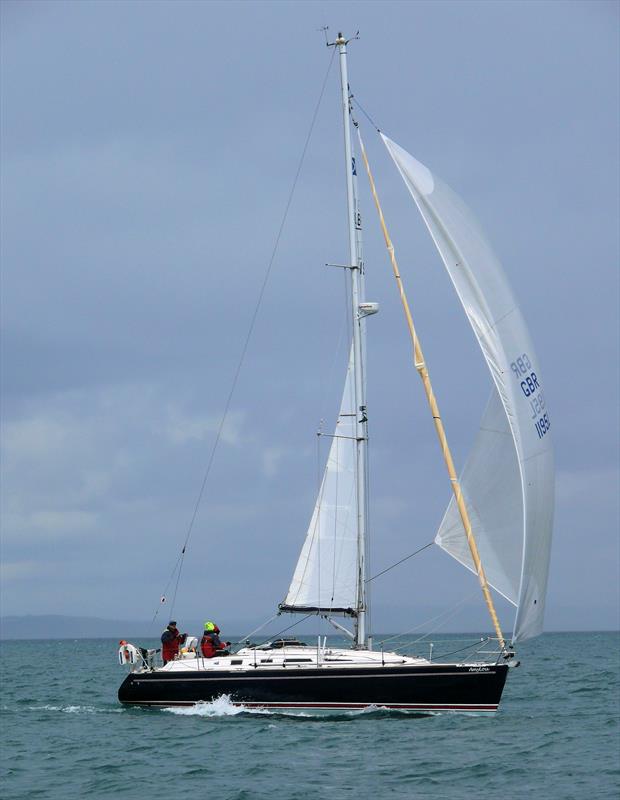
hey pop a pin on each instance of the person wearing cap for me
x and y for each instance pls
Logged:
(211, 644)
(171, 640)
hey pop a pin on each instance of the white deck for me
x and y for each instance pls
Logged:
(293, 657)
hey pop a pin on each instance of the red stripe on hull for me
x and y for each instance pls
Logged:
(335, 706)
(354, 706)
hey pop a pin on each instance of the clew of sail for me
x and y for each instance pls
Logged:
(325, 578)
(508, 480)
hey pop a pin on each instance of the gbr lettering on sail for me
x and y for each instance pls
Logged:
(530, 386)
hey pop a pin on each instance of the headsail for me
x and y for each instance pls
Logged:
(508, 481)
(325, 578)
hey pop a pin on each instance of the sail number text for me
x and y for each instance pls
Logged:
(528, 381)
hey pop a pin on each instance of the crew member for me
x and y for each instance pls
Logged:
(211, 644)
(171, 640)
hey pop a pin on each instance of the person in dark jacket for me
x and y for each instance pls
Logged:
(171, 640)
(211, 644)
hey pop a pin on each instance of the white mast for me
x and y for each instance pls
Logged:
(361, 425)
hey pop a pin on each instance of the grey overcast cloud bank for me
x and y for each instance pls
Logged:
(147, 154)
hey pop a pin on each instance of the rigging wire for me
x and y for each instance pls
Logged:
(346, 325)
(402, 560)
(449, 616)
(163, 597)
(284, 630)
(479, 643)
(368, 595)
(327, 384)
(448, 613)
(256, 630)
(354, 99)
(180, 560)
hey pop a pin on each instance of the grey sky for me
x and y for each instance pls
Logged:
(147, 153)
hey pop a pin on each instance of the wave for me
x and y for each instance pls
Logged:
(223, 707)
(77, 709)
(220, 707)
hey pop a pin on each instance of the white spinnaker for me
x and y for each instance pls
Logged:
(325, 577)
(491, 472)
(508, 480)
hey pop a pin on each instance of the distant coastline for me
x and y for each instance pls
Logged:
(58, 626)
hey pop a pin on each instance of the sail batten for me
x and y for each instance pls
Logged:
(508, 480)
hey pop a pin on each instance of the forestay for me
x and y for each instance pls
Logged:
(508, 480)
(325, 578)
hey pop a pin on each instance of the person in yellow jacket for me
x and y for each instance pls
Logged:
(211, 644)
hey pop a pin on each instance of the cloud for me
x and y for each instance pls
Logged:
(34, 438)
(182, 428)
(581, 488)
(136, 233)
(67, 468)
(20, 570)
(271, 459)
(55, 524)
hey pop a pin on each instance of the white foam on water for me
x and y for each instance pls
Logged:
(223, 707)
(374, 709)
(220, 707)
(357, 712)
(77, 709)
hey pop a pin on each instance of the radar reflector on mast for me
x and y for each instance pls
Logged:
(367, 309)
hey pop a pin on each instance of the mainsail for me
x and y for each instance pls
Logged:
(508, 480)
(325, 578)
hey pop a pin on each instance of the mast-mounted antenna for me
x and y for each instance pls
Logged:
(340, 38)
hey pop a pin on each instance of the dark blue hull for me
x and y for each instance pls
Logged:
(431, 687)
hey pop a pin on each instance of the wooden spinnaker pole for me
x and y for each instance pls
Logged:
(420, 365)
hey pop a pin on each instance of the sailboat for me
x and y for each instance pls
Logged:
(498, 523)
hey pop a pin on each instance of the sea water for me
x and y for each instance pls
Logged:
(65, 736)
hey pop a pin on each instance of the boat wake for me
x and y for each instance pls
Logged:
(77, 709)
(223, 707)
(220, 707)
